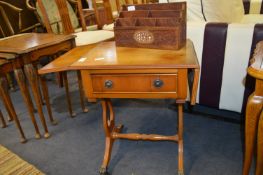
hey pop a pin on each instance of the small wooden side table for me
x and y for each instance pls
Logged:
(28, 48)
(254, 114)
(121, 72)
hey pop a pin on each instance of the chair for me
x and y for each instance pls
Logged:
(112, 9)
(7, 28)
(254, 114)
(60, 18)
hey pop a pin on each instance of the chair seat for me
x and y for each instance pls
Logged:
(91, 37)
(108, 27)
(89, 28)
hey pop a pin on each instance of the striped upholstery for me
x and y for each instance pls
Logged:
(223, 51)
(253, 6)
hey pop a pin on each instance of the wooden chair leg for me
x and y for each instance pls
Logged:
(65, 79)
(81, 94)
(5, 95)
(259, 165)
(254, 105)
(2, 120)
(33, 81)
(46, 97)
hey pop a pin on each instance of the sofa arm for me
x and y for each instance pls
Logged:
(223, 51)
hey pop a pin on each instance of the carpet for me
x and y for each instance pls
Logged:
(13, 164)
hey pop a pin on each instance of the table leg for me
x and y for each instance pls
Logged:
(180, 140)
(65, 81)
(253, 109)
(6, 103)
(81, 94)
(59, 78)
(108, 124)
(259, 166)
(32, 79)
(39, 90)
(2, 120)
(20, 78)
(46, 97)
(9, 105)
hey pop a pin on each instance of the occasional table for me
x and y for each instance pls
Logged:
(28, 48)
(121, 72)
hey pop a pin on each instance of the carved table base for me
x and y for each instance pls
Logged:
(113, 132)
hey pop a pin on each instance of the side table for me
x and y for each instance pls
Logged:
(28, 48)
(121, 72)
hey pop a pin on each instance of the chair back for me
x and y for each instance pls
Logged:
(6, 28)
(111, 9)
(58, 16)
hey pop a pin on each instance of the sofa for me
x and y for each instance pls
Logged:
(224, 38)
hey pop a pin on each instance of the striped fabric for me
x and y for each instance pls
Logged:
(12, 164)
(253, 6)
(224, 54)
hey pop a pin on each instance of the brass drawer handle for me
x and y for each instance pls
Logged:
(158, 83)
(108, 84)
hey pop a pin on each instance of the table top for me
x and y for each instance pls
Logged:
(106, 55)
(7, 56)
(25, 43)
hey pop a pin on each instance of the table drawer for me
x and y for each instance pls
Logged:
(134, 83)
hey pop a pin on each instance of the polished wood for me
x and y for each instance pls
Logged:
(253, 111)
(46, 97)
(28, 48)
(33, 81)
(7, 101)
(118, 72)
(2, 120)
(6, 67)
(26, 43)
(81, 93)
(67, 29)
(20, 78)
(103, 13)
(259, 165)
(65, 80)
(15, 17)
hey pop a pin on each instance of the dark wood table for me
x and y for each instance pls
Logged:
(28, 48)
(121, 72)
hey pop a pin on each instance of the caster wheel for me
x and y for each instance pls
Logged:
(103, 171)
